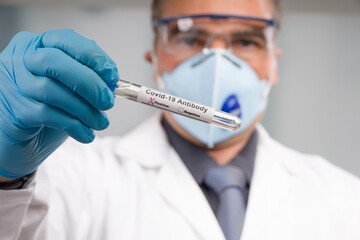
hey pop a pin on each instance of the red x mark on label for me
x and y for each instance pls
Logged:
(151, 101)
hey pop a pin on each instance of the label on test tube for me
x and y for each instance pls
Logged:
(175, 104)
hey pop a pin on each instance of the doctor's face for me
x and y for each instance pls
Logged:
(257, 8)
(167, 62)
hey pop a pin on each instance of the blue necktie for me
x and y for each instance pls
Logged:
(228, 182)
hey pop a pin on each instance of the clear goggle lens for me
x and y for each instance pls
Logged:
(247, 38)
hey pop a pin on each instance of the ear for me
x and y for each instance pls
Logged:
(148, 56)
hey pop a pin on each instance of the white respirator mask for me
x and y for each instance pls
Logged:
(219, 79)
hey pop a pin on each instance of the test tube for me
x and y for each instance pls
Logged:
(167, 102)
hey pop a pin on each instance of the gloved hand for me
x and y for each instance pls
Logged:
(51, 86)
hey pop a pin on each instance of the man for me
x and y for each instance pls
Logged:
(171, 178)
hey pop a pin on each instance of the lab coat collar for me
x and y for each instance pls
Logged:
(174, 182)
(276, 172)
(177, 186)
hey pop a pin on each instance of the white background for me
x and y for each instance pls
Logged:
(315, 106)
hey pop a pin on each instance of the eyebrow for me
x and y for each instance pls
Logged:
(248, 33)
(175, 30)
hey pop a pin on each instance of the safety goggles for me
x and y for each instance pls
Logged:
(249, 38)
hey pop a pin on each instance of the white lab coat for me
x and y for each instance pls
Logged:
(137, 187)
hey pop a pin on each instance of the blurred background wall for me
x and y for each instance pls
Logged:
(315, 106)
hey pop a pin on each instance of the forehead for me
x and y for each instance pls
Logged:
(256, 8)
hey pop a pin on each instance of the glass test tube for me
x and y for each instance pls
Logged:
(176, 105)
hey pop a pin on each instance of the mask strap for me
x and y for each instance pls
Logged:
(269, 84)
(158, 79)
(267, 89)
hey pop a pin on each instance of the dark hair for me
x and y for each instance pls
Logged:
(157, 6)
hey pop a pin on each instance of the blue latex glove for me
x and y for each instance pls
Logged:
(51, 86)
